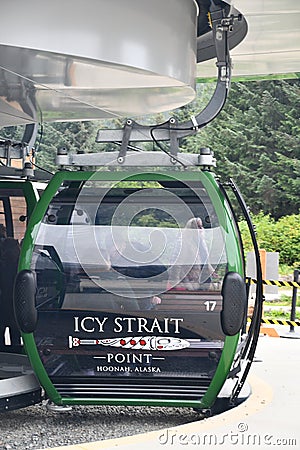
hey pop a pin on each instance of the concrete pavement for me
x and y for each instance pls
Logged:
(269, 418)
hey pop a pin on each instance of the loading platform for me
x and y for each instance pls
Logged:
(18, 385)
(268, 418)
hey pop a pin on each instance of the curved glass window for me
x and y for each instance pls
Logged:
(129, 278)
(128, 248)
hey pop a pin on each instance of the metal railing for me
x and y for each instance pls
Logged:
(295, 284)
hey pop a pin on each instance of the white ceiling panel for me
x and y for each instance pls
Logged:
(272, 45)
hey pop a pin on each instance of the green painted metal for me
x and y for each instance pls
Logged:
(35, 220)
(134, 402)
(24, 263)
(222, 371)
(235, 264)
(30, 193)
(31, 198)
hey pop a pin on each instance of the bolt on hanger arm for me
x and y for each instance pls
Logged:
(171, 130)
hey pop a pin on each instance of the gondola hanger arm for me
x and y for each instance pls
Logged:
(135, 132)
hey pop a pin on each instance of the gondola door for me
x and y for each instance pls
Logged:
(17, 201)
(131, 288)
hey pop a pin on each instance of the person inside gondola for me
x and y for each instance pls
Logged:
(199, 274)
(124, 266)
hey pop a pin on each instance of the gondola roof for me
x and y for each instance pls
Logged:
(65, 61)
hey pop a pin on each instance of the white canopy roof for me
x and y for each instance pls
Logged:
(90, 59)
(272, 45)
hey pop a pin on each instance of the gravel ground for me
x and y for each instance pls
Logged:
(37, 428)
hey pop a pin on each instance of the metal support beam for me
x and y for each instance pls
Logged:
(205, 158)
(222, 26)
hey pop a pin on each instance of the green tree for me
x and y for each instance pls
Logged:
(281, 236)
(256, 139)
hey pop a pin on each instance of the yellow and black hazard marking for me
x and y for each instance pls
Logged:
(294, 323)
(277, 283)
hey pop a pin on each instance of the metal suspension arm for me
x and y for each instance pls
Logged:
(170, 130)
(253, 334)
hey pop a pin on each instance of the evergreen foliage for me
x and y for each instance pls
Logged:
(281, 236)
(256, 140)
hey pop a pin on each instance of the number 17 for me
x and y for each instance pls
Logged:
(210, 305)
